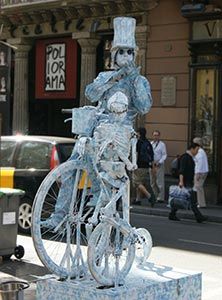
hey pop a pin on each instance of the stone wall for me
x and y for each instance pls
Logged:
(167, 54)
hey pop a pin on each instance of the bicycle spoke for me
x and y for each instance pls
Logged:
(59, 246)
(107, 261)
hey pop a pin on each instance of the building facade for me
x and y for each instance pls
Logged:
(184, 67)
(55, 48)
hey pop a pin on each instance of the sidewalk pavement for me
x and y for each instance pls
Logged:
(213, 212)
(31, 269)
(28, 269)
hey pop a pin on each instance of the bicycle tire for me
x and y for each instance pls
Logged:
(52, 248)
(99, 250)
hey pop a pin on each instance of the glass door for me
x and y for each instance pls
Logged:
(205, 112)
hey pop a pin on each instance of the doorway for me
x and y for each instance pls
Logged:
(206, 118)
(45, 115)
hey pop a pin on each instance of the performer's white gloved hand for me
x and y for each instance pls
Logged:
(131, 167)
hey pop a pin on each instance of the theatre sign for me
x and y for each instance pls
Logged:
(207, 30)
(56, 67)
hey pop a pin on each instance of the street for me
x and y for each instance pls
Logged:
(185, 245)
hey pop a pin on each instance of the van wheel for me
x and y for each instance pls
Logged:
(25, 216)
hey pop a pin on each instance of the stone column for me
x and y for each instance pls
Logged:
(88, 46)
(20, 121)
(141, 41)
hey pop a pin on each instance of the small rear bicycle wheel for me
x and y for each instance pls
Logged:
(110, 254)
(58, 242)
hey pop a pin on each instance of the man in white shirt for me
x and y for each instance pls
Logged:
(201, 171)
(157, 173)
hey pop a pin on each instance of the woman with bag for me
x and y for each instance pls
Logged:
(186, 180)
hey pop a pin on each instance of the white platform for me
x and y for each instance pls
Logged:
(151, 282)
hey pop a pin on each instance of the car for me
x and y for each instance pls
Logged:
(24, 163)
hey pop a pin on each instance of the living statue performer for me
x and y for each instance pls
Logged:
(126, 75)
(105, 150)
(124, 78)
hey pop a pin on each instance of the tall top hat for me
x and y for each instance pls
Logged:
(124, 33)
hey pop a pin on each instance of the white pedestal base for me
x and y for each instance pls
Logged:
(150, 282)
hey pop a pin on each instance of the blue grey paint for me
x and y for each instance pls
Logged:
(106, 149)
(152, 282)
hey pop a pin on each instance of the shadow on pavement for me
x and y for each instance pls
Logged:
(23, 270)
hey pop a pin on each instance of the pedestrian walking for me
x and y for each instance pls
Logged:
(186, 179)
(145, 157)
(201, 171)
(157, 173)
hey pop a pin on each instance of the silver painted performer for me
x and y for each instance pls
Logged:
(105, 150)
(126, 76)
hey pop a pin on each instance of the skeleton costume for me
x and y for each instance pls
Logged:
(113, 141)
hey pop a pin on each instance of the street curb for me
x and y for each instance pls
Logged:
(165, 212)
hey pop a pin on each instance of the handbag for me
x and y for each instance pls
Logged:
(179, 198)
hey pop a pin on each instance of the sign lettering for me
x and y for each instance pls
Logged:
(55, 67)
(211, 29)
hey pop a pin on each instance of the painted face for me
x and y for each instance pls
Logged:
(118, 108)
(124, 56)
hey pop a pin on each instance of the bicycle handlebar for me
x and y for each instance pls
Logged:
(66, 110)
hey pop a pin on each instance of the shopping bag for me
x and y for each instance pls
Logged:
(179, 197)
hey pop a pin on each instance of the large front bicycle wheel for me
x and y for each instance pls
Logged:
(110, 254)
(58, 232)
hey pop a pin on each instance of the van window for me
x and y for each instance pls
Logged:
(34, 155)
(6, 153)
